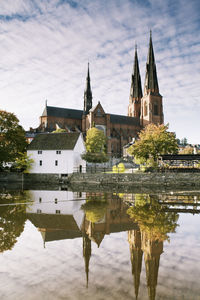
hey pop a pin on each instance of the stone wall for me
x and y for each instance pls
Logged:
(137, 179)
(6, 177)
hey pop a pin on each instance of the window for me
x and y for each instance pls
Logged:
(40, 162)
(99, 112)
(39, 211)
(57, 211)
(58, 152)
(56, 162)
(39, 152)
(145, 109)
(155, 109)
(40, 199)
(56, 201)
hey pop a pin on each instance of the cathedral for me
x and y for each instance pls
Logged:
(143, 108)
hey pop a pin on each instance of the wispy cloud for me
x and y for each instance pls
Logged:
(45, 46)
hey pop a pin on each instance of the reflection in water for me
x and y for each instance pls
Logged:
(12, 218)
(148, 219)
(155, 224)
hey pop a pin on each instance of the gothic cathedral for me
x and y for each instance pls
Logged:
(144, 108)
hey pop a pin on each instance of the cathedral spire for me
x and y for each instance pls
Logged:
(87, 94)
(136, 89)
(134, 238)
(151, 81)
(86, 255)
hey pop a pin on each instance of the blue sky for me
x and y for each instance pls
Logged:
(45, 46)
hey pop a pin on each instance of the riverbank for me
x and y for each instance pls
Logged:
(126, 181)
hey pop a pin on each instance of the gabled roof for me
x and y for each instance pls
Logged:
(51, 111)
(54, 141)
(118, 119)
(97, 106)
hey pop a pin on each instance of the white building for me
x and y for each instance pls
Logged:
(57, 153)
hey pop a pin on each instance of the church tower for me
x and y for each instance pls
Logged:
(86, 255)
(152, 248)
(134, 239)
(151, 103)
(134, 107)
(87, 94)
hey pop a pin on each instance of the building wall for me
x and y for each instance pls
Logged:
(67, 160)
(52, 202)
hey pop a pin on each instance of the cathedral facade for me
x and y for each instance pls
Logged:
(143, 108)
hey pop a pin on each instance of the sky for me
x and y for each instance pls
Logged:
(45, 46)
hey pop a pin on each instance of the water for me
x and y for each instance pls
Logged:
(73, 245)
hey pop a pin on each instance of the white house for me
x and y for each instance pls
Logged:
(57, 153)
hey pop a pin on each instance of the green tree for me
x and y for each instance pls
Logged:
(23, 163)
(12, 138)
(59, 130)
(152, 217)
(154, 140)
(95, 146)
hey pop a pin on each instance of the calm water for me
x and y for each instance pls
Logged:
(73, 245)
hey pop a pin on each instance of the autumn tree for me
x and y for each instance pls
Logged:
(154, 140)
(152, 217)
(95, 146)
(12, 138)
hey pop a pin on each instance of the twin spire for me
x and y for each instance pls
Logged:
(150, 85)
(151, 81)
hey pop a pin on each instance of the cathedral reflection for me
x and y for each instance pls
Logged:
(148, 219)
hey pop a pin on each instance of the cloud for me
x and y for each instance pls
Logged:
(45, 47)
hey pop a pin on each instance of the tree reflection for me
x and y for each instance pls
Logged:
(152, 218)
(12, 218)
(95, 208)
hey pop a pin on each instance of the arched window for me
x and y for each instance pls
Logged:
(145, 109)
(155, 109)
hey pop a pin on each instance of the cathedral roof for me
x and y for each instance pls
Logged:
(118, 119)
(59, 112)
(54, 141)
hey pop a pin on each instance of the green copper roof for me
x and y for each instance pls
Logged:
(54, 141)
(151, 81)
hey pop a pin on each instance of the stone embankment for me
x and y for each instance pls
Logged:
(106, 182)
(136, 179)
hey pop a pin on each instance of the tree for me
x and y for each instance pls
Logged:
(95, 140)
(12, 138)
(154, 140)
(95, 146)
(22, 163)
(59, 130)
(184, 141)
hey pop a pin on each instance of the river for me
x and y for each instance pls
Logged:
(59, 244)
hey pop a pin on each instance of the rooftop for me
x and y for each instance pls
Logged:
(54, 141)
